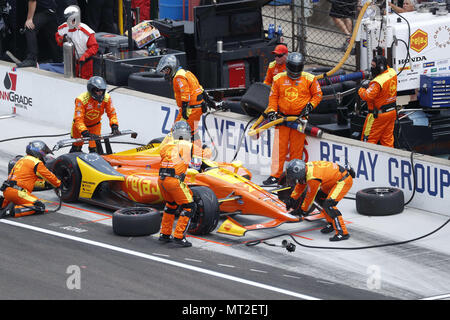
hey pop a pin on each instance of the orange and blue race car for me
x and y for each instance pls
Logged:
(130, 179)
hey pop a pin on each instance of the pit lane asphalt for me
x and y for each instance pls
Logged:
(37, 264)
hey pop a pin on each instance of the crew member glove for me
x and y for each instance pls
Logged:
(299, 212)
(86, 134)
(308, 108)
(82, 59)
(365, 83)
(272, 116)
(184, 110)
(115, 129)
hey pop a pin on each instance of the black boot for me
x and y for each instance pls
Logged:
(339, 237)
(165, 238)
(7, 211)
(327, 229)
(182, 242)
(270, 180)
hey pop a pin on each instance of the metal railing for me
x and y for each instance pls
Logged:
(308, 28)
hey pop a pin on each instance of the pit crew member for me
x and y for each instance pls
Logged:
(381, 97)
(191, 99)
(293, 93)
(278, 65)
(89, 108)
(17, 189)
(176, 156)
(324, 182)
(82, 37)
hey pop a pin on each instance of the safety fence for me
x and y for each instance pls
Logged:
(307, 27)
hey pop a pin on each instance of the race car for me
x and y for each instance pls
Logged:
(130, 179)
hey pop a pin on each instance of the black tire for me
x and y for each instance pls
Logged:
(206, 217)
(255, 100)
(316, 119)
(136, 221)
(66, 168)
(150, 82)
(380, 201)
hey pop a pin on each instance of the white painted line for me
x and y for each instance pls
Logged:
(256, 270)
(193, 260)
(161, 260)
(225, 265)
(289, 276)
(442, 296)
(161, 254)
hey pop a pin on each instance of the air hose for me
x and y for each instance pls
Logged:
(256, 242)
(352, 41)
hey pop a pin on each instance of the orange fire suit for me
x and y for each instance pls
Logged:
(381, 99)
(88, 116)
(186, 88)
(289, 97)
(176, 156)
(273, 69)
(85, 44)
(327, 183)
(24, 175)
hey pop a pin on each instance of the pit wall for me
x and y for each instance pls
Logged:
(49, 98)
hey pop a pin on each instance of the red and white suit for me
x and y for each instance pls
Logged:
(85, 44)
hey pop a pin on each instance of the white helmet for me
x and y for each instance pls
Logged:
(72, 14)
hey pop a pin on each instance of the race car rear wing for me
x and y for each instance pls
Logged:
(98, 139)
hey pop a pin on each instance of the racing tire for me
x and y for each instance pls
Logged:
(150, 82)
(380, 201)
(206, 217)
(66, 168)
(136, 221)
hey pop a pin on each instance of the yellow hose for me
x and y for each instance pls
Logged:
(120, 14)
(352, 40)
(254, 131)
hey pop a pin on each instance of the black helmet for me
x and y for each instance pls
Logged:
(168, 65)
(294, 65)
(94, 84)
(181, 130)
(38, 149)
(380, 65)
(296, 172)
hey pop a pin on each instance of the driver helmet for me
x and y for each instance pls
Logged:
(294, 65)
(38, 149)
(72, 15)
(181, 130)
(296, 172)
(96, 87)
(168, 65)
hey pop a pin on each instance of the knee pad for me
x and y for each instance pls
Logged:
(188, 209)
(171, 208)
(329, 205)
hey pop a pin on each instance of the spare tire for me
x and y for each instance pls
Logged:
(136, 221)
(380, 201)
(151, 82)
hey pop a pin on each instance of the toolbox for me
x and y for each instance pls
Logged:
(434, 91)
(110, 42)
